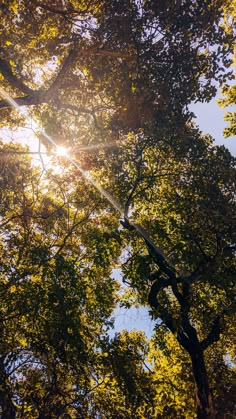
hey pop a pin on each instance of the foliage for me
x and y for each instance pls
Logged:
(229, 93)
(53, 308)
(172, 375)
(112, 81)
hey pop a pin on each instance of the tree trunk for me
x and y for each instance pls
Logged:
(7, 408)
(203, 394)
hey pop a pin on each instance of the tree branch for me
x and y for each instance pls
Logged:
(186, 333)
(22, 101)
(158, 285)
(214, 334)
(105, 53)
(36, 97)
(62, 12)
(155, 251)
(202, 268)
(15, 81)
(216, 328)
(63, 72)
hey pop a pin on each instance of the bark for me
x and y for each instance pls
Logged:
(203, 395)
(196, 351)
(14, 80)
(188, 339)
(7, 407)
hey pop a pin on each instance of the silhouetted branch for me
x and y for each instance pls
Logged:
(214, 334)
(14, 80)
(36, 97)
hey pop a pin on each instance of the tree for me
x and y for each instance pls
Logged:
(56, 301)
(53, 307)
(183, 199)
(56, 356)
(118, 74)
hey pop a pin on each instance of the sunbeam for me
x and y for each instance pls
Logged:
(87, 176)
(96, 146)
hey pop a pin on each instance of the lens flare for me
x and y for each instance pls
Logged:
(61, 151)
(87, 176)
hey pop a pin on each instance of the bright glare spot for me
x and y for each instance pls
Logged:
(61, 151)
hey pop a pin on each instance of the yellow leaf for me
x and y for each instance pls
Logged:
(133, 88)
(35, 279)
(23, 342)
(12, 63)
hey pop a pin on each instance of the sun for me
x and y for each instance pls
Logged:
(61, 151)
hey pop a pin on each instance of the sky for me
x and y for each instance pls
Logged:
(210, 119)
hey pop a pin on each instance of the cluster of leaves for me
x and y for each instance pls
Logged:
(229, 99)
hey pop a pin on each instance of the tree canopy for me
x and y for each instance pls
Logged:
(142, 189)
